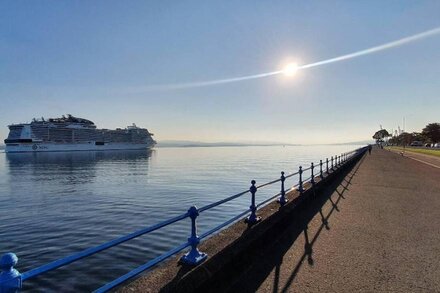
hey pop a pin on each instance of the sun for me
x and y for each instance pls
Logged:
(290, 69)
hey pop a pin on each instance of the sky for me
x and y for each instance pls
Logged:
(101, 60)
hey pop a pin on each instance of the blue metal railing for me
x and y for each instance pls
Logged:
(11, 280)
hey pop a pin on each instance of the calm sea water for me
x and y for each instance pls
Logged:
(56, 204)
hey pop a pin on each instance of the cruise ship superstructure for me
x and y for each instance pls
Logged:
(70, 133)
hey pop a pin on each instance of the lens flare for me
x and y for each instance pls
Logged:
(292, 68)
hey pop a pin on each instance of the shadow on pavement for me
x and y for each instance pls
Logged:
(272, 256)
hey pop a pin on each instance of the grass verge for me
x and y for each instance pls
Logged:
(431, 152)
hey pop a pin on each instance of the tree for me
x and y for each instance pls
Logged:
(380, 135)
(406, 138)
(432, 131)
(419, 137)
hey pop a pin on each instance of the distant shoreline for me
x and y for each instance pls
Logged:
(219, 145)
(227, 144)
(244, 144)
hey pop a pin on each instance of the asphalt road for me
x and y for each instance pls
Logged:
(433, 161)
(378, 231)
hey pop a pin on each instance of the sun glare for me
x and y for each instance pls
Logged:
(290, 69)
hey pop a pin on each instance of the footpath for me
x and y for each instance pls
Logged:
(379, 231)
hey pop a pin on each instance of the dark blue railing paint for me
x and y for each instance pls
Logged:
(11, 280)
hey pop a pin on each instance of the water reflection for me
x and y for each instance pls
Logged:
(72, 168)
(76, 158)
(63, 202)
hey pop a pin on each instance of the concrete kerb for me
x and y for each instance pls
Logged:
(232, 247)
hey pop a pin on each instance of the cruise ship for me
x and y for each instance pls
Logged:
(70, 133)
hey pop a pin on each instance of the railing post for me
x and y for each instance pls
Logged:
(252, 219)
(312, 175)
(300, 184)
(10, 278)
(326, 164)
(320, 169)
(332, 162)
(194, 256)
(282, 199)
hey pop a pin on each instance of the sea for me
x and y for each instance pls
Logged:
(53, 205)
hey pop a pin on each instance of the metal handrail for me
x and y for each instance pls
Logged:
(10, 278)
(268, 200)
(217, 203)
(141, 269)
(230, 221)
(306, 169)
(268, 183)
(290, 175)
(90, 251)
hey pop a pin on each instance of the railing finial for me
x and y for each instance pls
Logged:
(252, 219)
(194, 256)
(10, 278)
(321, 174)
(282, 200)
(300, 184)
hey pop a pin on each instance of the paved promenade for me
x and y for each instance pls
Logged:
(376, 231)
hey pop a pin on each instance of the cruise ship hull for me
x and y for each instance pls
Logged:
(68, 147)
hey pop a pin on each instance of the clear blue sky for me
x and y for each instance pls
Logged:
(93, 59)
